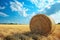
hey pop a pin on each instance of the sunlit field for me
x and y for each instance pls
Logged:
(7, 30)
(12, 29)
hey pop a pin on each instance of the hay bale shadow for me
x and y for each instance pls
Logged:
(24, 36)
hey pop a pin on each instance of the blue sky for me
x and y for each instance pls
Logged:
(21, 11)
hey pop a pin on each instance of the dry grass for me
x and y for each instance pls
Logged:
(12, 29)
(14, 32)
(57, 31)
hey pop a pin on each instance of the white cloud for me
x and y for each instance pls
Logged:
(50, 1)
(17, 6)
(42, 4)
(58, 1)
(31, 15)
(3, 14)
(2, 7)
(56, 17)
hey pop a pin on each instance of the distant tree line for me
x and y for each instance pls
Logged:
(58, 23)
(8, 23)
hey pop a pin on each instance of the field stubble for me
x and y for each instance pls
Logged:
(22, 32)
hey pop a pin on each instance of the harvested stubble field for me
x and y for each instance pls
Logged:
(22, 32)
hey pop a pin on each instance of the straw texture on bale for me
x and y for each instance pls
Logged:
(41, 24)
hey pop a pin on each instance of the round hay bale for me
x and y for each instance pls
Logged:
(53, 25)
(41, 24)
